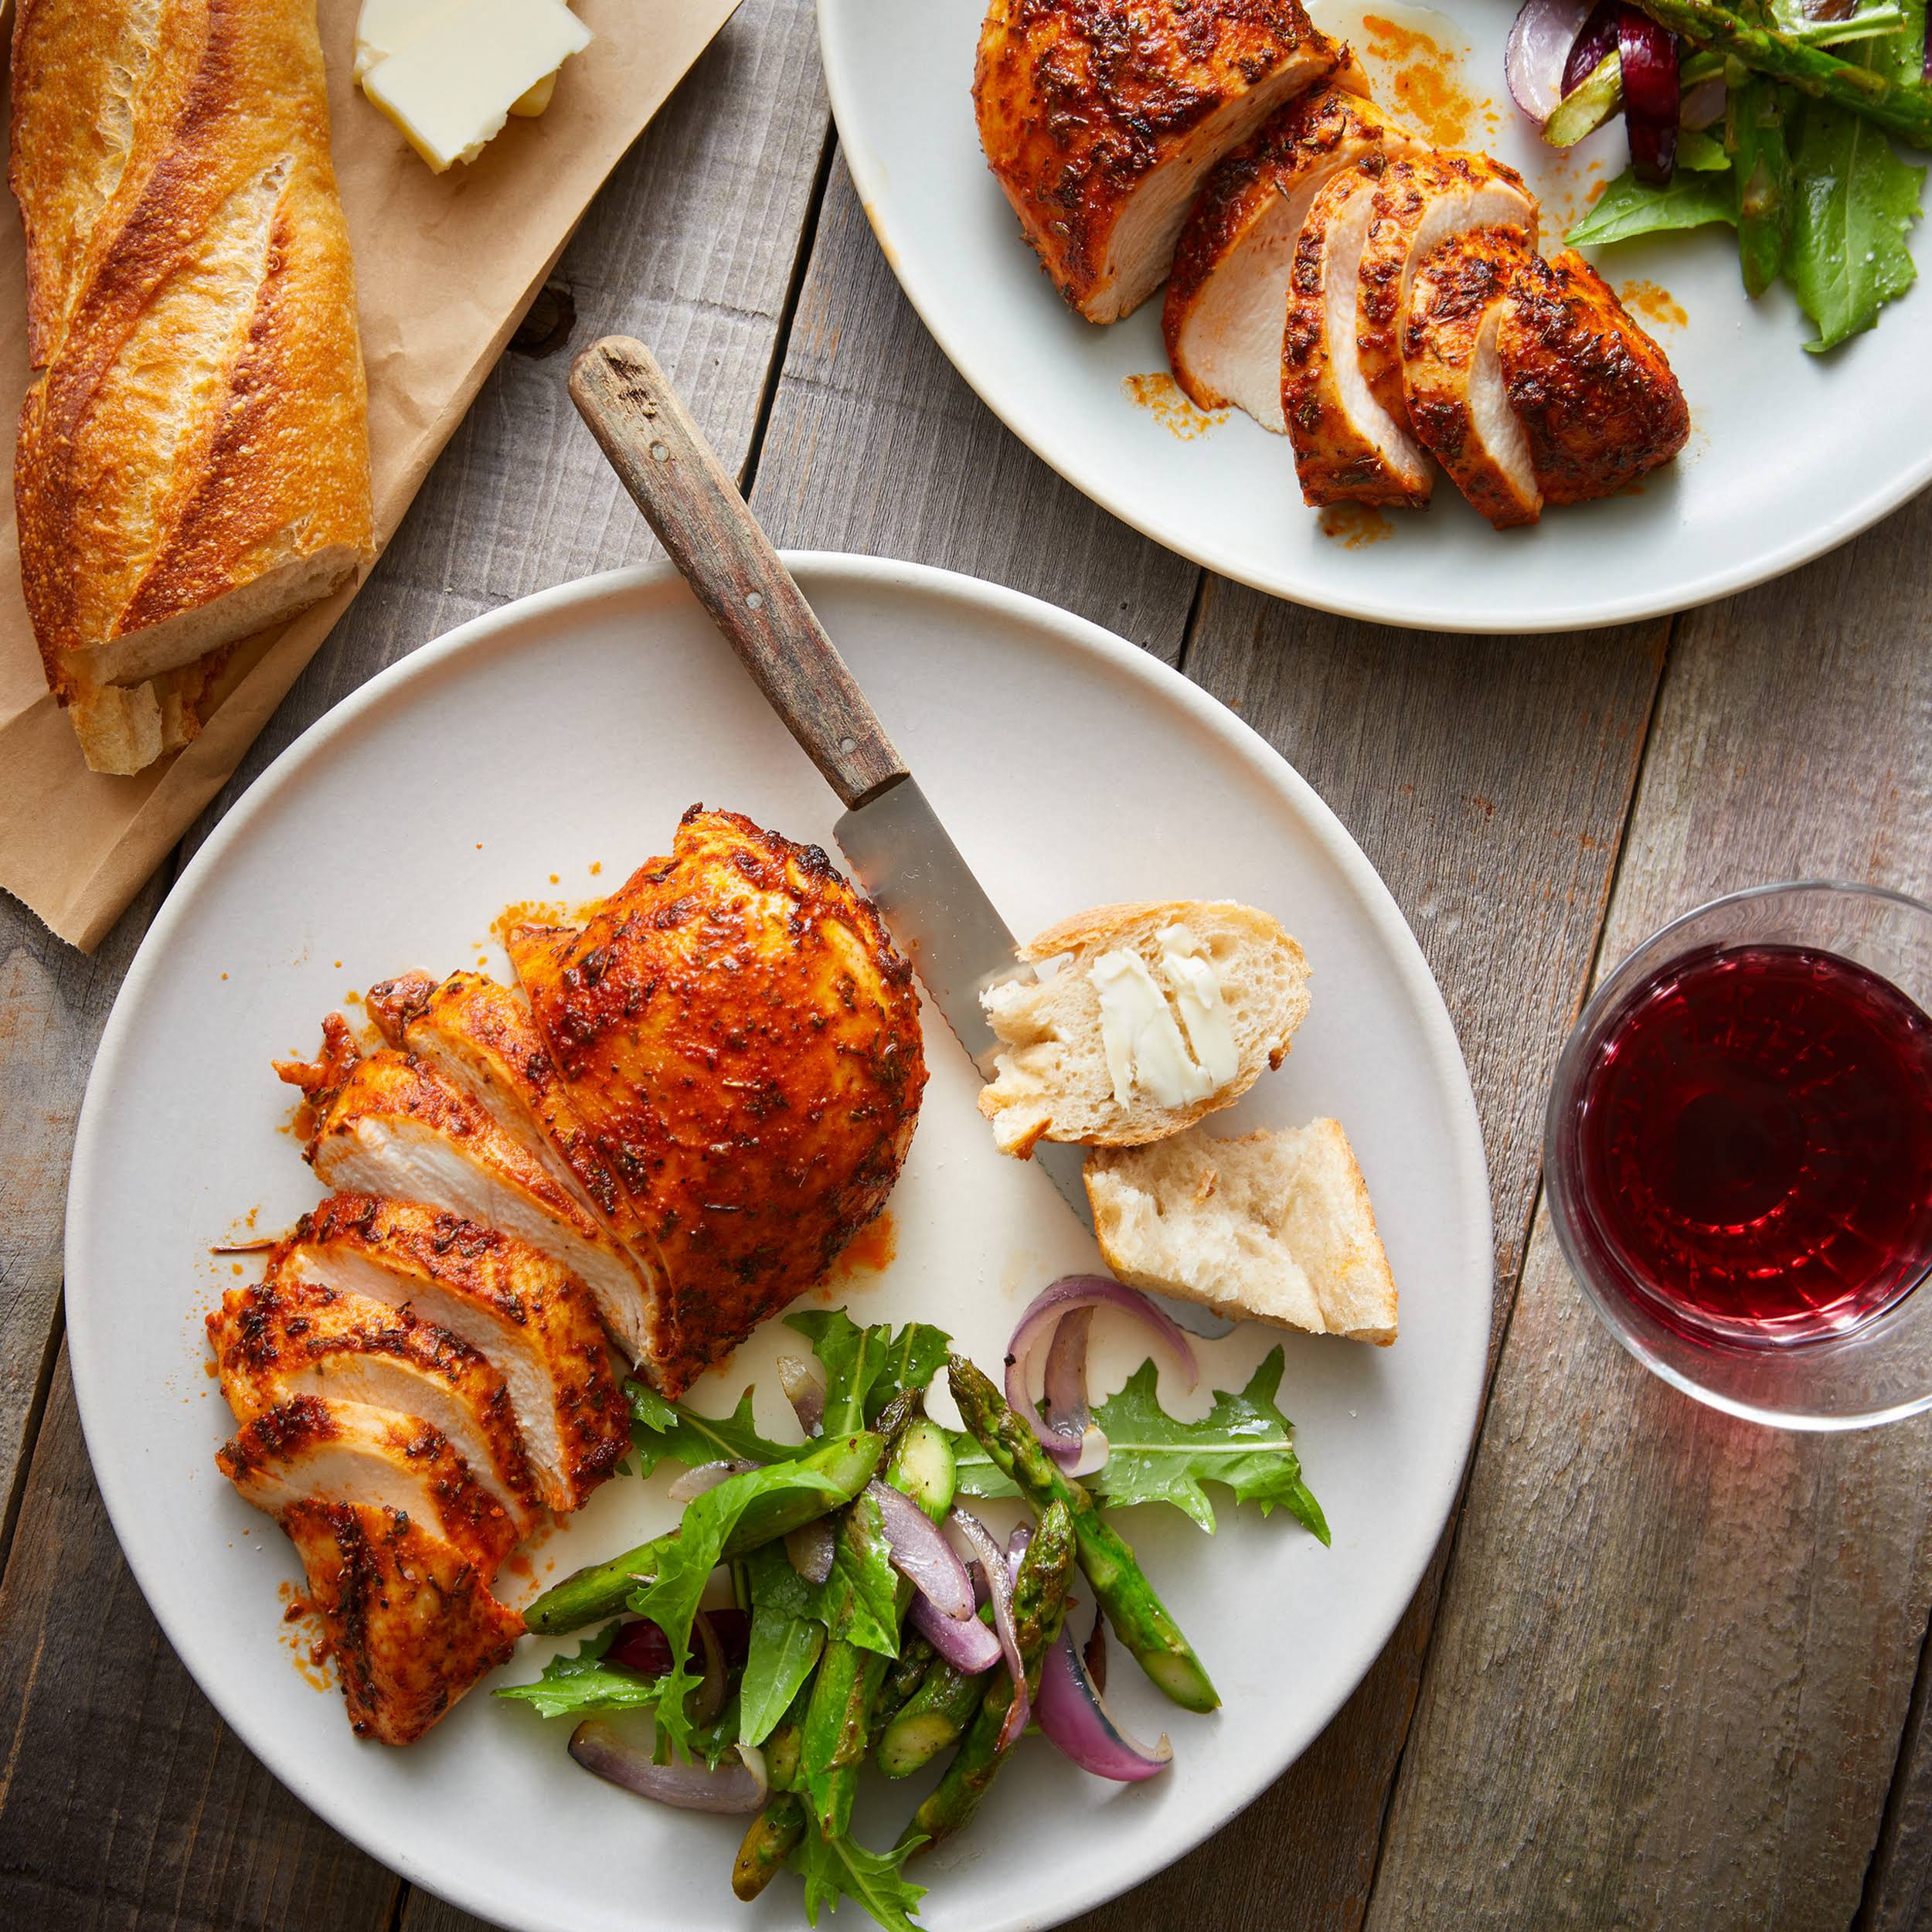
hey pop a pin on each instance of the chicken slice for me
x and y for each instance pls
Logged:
(409, 1619)
(1100, 117)
(529, 1318)
(1425, 200)
(310, 1450)
(281, 1339)
(1452, 374)
(1347, 448)
(735, 1027)
(1595, 395)
(388, 1124)
(1229, 291)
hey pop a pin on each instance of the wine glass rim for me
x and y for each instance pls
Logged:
(1563, 1085)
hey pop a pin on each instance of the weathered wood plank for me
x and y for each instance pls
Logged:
(876, 445)
(1898, 1886)
(1489, 779)
(1676, 1650)
(123, 1802)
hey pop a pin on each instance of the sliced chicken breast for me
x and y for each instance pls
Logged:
(1229, 291)
(314, 1451)
(409, 1617)
(1348, 448)
(1452, 373)
(279, 1339)
(529, 1318)
(1424, 201)
(1595, 396)
(392, 1126)
(1100, 118)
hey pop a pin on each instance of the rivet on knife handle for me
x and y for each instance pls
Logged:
(678, 482)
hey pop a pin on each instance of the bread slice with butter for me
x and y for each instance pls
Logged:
(1144, 1019)
(1270, 1227)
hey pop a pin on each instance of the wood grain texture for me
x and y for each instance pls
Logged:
(674, 477)
(876, 445)
(1676, 1650)
(124, 1804)
(1489, 779)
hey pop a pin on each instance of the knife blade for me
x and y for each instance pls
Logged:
(935, 909)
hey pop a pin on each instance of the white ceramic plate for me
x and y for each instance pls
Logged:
(1789, 453)
(569, 731)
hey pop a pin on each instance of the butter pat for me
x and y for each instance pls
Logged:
(1197, 996)
(1140, 1035)
(385, 27)
(451, 82)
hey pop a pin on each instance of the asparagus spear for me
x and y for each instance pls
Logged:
(1754, 133)
(1903, 108)
(1040, 1602)
(839, 1723)
(932, 1718)
(1138, 1616)
(772, 1836)
(844, 1467)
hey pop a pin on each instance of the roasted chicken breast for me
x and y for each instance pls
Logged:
(409, 1617)
(279, 1339)
(1347, 448)
(733, 1026)
(1227, 296)
(1424, 200)
(1100, 117)
(523, 1313)
(1595, 395)
(387, 1124)
(1452, 374)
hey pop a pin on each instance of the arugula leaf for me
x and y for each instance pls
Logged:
(661, 1428)
(1702, 154)
(1854, 200)
(1243, 1442)
(1628, 207)
(671, 1598)
(575, 1686)
(1901, 56)
(865, 1368)
(859, 1600)
(786, 1639)
(840, 1868)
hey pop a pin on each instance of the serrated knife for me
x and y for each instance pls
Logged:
(937, 910)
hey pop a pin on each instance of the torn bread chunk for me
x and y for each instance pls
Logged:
(1271, 1226)
(1424, 200)
(527, 1316)
(1227, 296)
(1452, 373)
(1100, 119)
(409, 1617)
(1150, 1016)
(276, 1339)
(1347, 448)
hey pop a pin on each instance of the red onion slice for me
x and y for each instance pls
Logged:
(1040, 1324)
(707, 1475)
(970, 1646)
(1652, 97)
(733, 1788)
(1539, 49)
(999, 1580)
(1598, 38)
(1703, 106)
(804, 1389)
(641, 1646)
(1075, 1718)
(810, 1550)
(921, 1555)
(1083, 1447)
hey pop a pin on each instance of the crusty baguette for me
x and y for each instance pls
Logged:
(1276, 1227)
(193, 458)
(1053, 1082)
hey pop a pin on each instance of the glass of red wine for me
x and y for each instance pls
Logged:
(1739, 1154)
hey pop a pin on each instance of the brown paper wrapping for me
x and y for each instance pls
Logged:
(445, 267)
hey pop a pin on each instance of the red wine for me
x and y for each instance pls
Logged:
(1754, 1145)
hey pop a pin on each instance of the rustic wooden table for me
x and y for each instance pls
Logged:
(1666, 1670)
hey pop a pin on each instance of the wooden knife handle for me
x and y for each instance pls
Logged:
(677, 481)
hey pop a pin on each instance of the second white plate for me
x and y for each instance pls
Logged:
(1789, 453)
